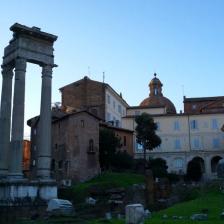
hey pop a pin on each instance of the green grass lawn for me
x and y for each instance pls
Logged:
(213, 201)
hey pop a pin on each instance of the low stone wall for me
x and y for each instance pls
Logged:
(14, 190)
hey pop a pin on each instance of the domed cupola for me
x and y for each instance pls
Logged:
(156, 98)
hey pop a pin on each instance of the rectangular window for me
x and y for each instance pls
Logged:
(158, 126)
(125, 141)
(214, 124)
(114, 104)
(119, 109)
(196, 143)
(108, 116)
(194, 124)
(177, 144)
(137, 112)
(117, 123)
(108, 99)
(82, 123)
(178, 163)
(176, 126)
(216, 143)
(139, 147)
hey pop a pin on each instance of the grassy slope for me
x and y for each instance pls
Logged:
(213, 201)
(104, 181)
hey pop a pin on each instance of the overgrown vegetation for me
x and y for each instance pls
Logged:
(79, 192)
(108, 144)
(158, 167)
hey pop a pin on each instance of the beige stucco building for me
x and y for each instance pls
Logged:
(194, 134)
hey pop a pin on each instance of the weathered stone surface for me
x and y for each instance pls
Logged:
(148, 214)
(222, 214)
(90, 201)
(60, 207)
(149, 183)
(28, 45)
(134, 214)
(13, 190)
(108, 216)
(199, 217)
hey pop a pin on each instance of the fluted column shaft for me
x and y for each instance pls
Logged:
(5, 118)
(16, 152)
(44, 148)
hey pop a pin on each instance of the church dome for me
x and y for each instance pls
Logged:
(156, 98)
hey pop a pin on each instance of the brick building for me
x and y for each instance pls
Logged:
(26, 157)
(204, 105)
(96, 97)
(75, 146)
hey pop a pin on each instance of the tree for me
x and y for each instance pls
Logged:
(122, 160)
(108, 143)
(146, 133)
(158, 167)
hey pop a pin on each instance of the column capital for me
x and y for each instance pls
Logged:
(7, 71)
(47, 70)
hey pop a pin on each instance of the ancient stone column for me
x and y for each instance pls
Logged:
(15, 162)
(5, 118)
(44, 146)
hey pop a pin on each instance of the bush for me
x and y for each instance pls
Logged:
(139, 165)
(174, 178)
(158, 167)
(122, 161)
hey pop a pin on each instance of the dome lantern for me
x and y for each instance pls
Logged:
(156, 98)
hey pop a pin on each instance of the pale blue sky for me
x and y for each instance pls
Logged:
(181, 40)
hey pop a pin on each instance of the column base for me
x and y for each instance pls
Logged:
(11, 191)
(15, 177)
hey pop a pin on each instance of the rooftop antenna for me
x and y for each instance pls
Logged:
(103, 77)
(89, 71)
(183, 90)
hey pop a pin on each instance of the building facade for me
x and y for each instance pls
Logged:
(125, 136)
(75, 146)
(194, 134)
(96, 97)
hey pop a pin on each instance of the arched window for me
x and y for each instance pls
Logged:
(156, 91)
(214, 163)
(178, 163)
(91, 145)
